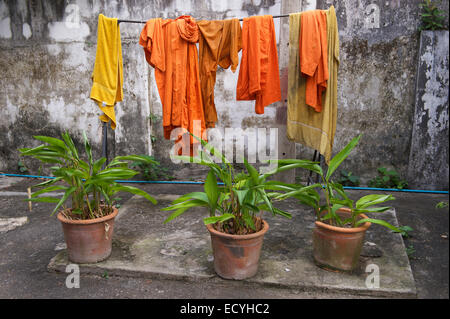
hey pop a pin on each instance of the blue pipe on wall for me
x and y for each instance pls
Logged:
(200, 183)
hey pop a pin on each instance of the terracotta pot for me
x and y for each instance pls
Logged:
(88, 241)
(338, 248)
(236, 256)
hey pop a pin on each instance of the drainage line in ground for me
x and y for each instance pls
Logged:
(201, 183)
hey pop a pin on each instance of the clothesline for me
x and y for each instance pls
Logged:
(330, 17)
(137, 21)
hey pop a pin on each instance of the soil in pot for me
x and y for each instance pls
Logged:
(237, 256)
(89, 240)
(338, 248)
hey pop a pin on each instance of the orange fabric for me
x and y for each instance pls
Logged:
(170, 48)
(219, 44)
(259, 77)
(314, 56)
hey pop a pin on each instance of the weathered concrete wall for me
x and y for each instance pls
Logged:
(378, 51)
(428, 161)
(47, 56)
(47, 52)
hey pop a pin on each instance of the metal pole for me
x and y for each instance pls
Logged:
(241, 19)
(105, 143)
(310, 172)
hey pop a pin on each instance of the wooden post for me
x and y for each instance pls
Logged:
(29, 197)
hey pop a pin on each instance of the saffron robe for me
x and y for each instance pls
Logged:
(170, 48)
(259, 77)
(219, 44)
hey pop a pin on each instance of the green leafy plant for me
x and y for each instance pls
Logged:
(91, 189)
(410, 250)
(388, 179)
(153, 117)
(334, 194)
(432, 17)
(442, 204)
(21, 166)
(151, 169)
(237, 206)
(405, 231)
(348, 179)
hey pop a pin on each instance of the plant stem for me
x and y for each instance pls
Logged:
(89, 206)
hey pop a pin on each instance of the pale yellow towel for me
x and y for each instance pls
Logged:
(304, 125)
(108, 69)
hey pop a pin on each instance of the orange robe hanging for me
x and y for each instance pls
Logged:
(259, 77)
(219, 44)
(313, 48)
(170, 48)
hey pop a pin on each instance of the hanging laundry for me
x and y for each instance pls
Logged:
(313, 55)
(304, 124)
(219, 44)
(259, 77)
(170, 48)
(108, 69)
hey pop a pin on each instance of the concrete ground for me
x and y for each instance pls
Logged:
(27, 249)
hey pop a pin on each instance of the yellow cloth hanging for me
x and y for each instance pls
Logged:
(108, 69)
(304, 124)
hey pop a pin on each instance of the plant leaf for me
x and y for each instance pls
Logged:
(43, 199)
(64, 198)
(52, 141)
(211, 191)
(48, 190)
(88, 149)
(241, 195)
(202, 196)
(136, 191)
(374, 199)
(215, 219)
(175, 214)
(341, 156)
(379, 222)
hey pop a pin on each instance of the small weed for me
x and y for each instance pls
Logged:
(348, 179)
(151, 171)
(153, 118)
(410, 251)
(105, 275)
(432, 17)
(442, 204)
(22, 168)
(115, 202)
(388, 179)
(405, 231)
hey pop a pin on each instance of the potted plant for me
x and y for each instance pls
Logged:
(235, 220)
(341, 223)
(88, 224)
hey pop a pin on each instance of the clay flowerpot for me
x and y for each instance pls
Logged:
(88, 241)
(338, 248)
(236, 256)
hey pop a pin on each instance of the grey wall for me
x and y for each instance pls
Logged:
(47, 52)
(428, 161)
(377, 78)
